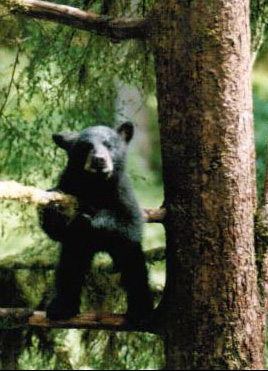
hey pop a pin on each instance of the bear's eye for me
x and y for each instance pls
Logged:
(107, 144)
(90, 146)
(85, 147)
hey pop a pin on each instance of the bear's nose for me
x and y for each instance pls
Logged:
(98, 163)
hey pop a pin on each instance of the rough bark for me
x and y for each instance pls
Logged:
(116, 29)
(211, 306)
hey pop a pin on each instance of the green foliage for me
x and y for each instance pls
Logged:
(259, 22)
(64, 80)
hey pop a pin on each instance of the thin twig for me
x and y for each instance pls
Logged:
(11, 81)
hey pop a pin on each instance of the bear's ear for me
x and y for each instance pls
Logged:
(126, 131)
(65, 140)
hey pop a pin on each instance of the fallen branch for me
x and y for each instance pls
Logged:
(96, 321)
(116, 29)
(11, 190)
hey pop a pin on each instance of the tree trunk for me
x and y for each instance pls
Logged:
(212, 314)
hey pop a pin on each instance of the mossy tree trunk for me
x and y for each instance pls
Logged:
(212, 313)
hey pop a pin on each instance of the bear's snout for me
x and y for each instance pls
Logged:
(99, 163)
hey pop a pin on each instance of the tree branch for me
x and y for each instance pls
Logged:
(154, 215)
(98, 321)
(11, 82)
(10, 190)
(116, 29)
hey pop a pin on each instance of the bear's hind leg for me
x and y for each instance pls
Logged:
(130, 260)
(70, 275)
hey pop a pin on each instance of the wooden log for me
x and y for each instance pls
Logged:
(94, 321)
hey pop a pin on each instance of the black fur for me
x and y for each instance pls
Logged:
(108, 219)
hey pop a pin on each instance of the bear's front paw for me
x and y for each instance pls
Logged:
(56, 311)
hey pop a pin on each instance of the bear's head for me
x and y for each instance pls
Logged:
(98, 151)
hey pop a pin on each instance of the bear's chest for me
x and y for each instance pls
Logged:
(91, 205)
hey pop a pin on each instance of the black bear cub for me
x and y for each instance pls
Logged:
(108, 219)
